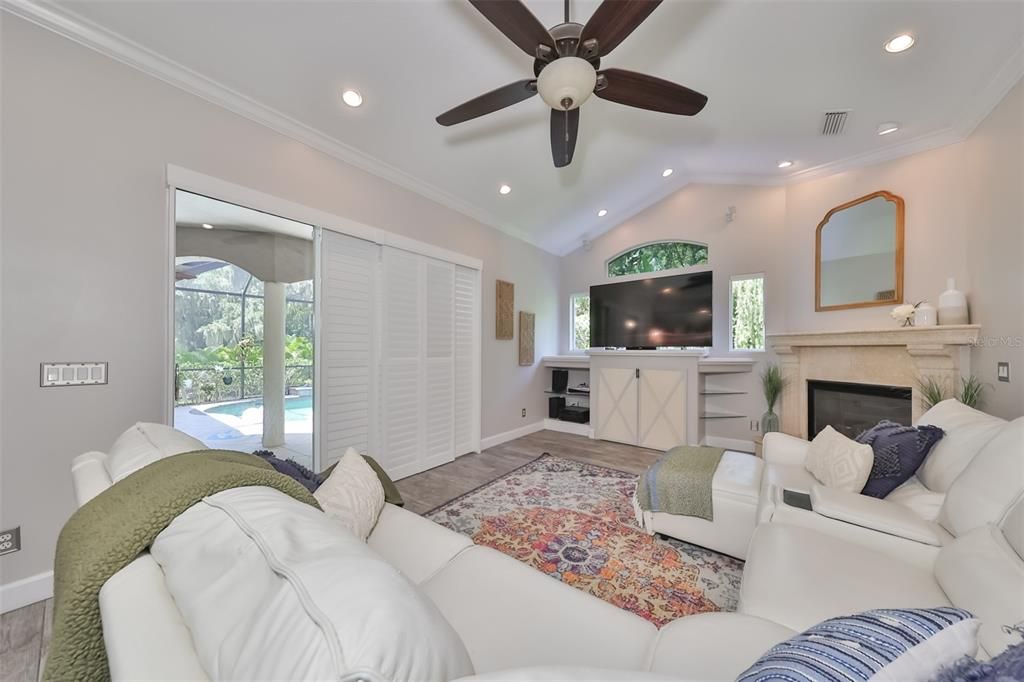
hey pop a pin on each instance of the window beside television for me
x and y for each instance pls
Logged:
(657, 257)
(579, 322)
(746, 312)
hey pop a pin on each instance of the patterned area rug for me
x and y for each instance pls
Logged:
(575, 522)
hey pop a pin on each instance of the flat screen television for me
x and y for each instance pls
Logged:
(653, 312)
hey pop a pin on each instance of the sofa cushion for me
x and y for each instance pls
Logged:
(798, 577)
(714, 646)
(967, 432)
(511, 615)
(145, 443)
(562, 673)
(989, 484)
(891, 645)
(273, 589)
(416, 546)
(918, 499)
(838, 462)
(981, 572)
(898, 450)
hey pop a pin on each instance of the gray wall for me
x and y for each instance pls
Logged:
(85, 245)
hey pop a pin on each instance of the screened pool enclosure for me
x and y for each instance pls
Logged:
(243, 329)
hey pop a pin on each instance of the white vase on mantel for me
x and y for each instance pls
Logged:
(952, 305)
(925, 315)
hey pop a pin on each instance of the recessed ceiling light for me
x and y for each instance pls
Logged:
(504, 189)
(900, 43)
(207, 226)
(667, 172)
(602, 213)
(785, 164)
(886, 128)
(352, 98)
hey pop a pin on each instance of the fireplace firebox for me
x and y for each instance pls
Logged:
(850, 408)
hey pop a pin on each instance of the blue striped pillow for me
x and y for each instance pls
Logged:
(908, 644)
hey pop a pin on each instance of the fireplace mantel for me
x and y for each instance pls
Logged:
(899, 356)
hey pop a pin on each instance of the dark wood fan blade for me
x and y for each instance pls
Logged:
(504, 96)
(517, 22)
(614, 20)
(647, 92)
(564, 126)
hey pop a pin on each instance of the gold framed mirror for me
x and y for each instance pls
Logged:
(858, 254)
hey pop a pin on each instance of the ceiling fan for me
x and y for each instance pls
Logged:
(566, 66)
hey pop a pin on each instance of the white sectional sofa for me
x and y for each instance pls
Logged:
(802, 567)
(508, 615)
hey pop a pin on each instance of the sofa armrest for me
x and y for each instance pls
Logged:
(779, 448)
(874, 514)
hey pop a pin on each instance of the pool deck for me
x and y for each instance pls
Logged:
(225, 432)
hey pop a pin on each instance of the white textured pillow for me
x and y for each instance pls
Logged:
(838, 462)
(145, 443)
(352, 494)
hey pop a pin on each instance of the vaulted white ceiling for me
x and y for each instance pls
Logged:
(770, 70)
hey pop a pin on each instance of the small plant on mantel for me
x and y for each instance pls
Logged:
(773, 383)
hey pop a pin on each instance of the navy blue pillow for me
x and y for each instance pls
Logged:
(899, 451)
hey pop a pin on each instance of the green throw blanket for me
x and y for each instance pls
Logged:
(680, 482)
(113, 528)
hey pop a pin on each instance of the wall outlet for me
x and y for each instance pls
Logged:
(10, 540)
(1003, 371)
(524, 413)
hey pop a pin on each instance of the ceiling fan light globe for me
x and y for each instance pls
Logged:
(566, 83)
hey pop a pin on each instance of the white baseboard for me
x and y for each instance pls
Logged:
(568, 427)
(729, 443)
(499, 438)
(26, 591)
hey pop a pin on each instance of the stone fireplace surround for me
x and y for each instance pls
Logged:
(890, 357)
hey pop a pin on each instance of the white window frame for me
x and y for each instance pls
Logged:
(764, 311)
(572, 322)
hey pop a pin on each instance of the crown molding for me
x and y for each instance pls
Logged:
(977, 108)
(916, 145)
(89, 34)
(110, 44)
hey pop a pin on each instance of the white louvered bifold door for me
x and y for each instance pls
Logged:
(439, 361)
(467, 398)
(348, 370)
(402, 368)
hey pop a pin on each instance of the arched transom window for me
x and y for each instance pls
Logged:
(658, 256)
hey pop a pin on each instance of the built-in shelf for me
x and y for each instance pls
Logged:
(568, 394)
(713, 392)
(722, 415)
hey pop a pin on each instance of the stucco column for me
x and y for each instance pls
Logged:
(273, 364)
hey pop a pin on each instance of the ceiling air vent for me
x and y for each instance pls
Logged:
(834, 122)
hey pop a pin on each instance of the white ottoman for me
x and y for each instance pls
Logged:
(734, 493)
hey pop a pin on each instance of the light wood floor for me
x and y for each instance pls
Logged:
(25, 633)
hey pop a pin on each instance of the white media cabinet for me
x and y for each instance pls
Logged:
(653, 399)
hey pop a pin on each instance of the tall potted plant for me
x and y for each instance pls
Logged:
(772, 382)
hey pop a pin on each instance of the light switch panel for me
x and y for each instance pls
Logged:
(72, 373)
(1003, 371)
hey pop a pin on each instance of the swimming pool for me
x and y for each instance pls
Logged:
(297, 408)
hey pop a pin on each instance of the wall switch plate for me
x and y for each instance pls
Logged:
(524, 411)
(10, 540)
(72, 374)
(1003, 371)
